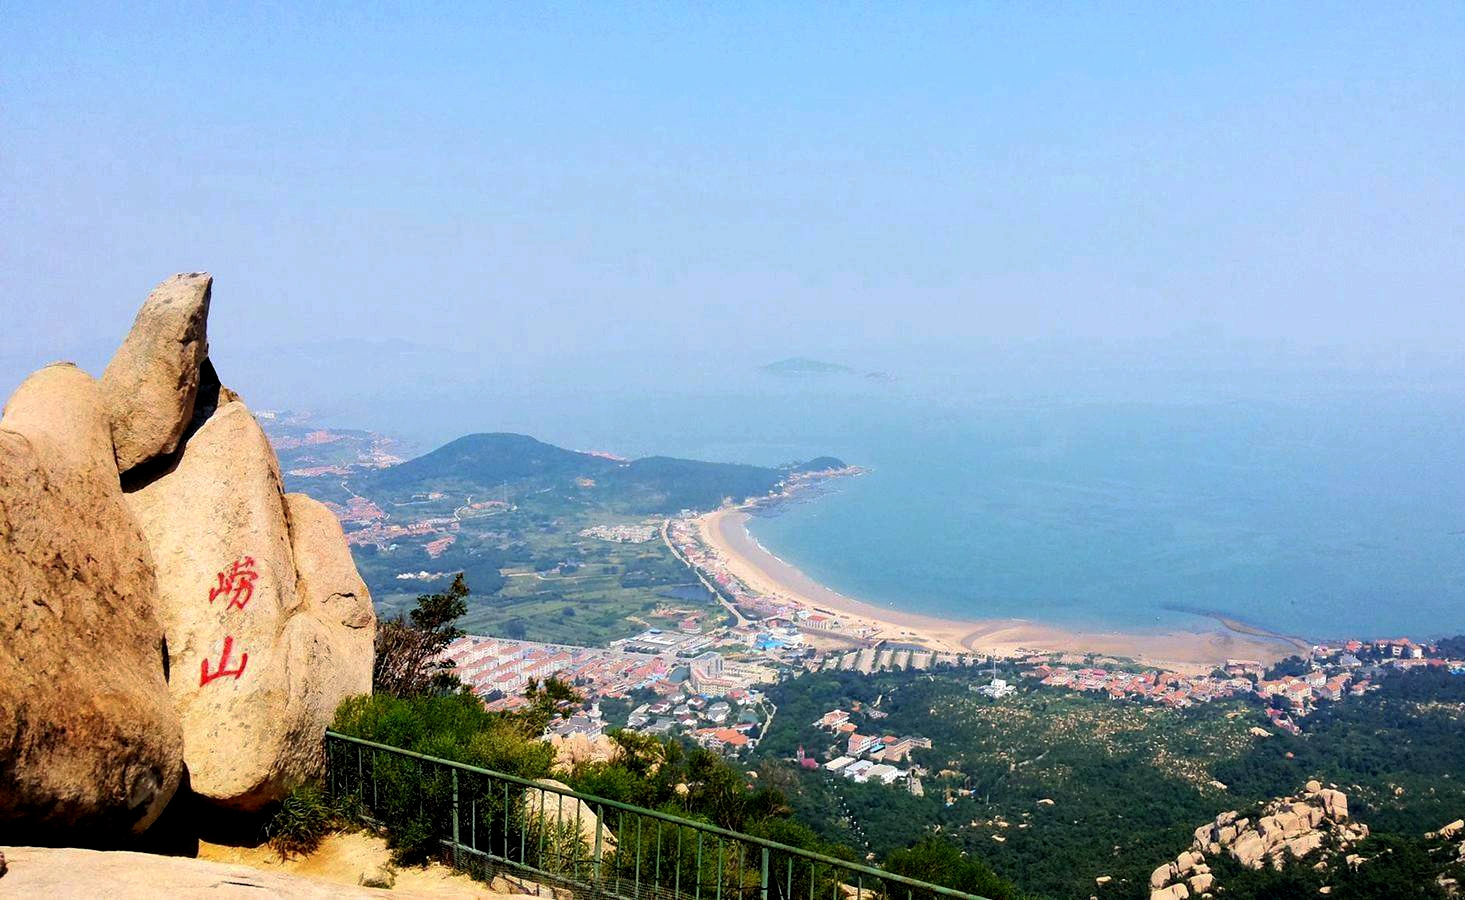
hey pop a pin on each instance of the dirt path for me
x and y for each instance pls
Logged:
(356, 859)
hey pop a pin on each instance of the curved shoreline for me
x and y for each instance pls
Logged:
(725, 532)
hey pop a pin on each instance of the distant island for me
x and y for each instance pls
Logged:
(803, 367)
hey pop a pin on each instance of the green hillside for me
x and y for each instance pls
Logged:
(482, 463)
(513, 513)
(490, 459)
(662, 484)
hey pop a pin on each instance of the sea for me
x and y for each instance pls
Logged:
(1319, 506)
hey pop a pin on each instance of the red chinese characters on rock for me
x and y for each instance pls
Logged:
(236, 584)
(205, 676)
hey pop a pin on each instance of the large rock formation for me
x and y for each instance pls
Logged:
(89, 742)
(152, 381)
(1288, 828)
(226, 578)
(196, 616)
(258, 665)
(327, 580)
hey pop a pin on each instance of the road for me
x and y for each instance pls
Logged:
(733, 610)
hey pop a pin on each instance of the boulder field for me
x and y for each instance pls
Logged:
(1287, 828)
(171, 615)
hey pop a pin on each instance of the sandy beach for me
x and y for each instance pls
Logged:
(725, 531)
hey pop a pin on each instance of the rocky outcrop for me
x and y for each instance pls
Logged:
(576, 749)
(163, 601)
(258, 667)
(1450, 831)
(1287, 828)
(152, 381)
(1335, 804)
(89, 743)
(1161, 876)
(326, 576)
(564, 814)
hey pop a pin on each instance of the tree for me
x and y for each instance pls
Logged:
(548, 700)
(937, 861)
(409, 649)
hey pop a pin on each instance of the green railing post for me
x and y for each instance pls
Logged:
(599, 822)
(763, 878)
(638, 852)
(456, 844)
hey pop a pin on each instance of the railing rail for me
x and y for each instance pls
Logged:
(495, 823)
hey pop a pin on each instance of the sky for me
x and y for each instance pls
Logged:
(610, 191)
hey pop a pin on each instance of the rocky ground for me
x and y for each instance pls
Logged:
(355, 859)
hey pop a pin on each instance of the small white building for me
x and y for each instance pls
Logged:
(998, 689)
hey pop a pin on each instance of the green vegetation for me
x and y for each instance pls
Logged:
(656, 485)
(1397, 752)
(303, 820)
(956, 870)
(1054, 789)
(408, 647)
(508, 511)
(413, 800)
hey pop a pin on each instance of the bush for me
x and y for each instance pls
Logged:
(413, 800)
(304, 819)
(450, 726)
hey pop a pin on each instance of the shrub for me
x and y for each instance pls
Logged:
(413, 800)
(304, 819)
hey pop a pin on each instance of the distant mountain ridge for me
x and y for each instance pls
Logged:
(653, 484)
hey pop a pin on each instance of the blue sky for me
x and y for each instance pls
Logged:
(578, 186)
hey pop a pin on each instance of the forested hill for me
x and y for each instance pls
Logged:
(658, 484)
(492, 459)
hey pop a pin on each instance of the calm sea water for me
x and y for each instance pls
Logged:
(1319, 517)
(1319, 521)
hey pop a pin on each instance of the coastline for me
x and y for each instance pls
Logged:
(725, 532)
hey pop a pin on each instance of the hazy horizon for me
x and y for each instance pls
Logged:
(603, 195)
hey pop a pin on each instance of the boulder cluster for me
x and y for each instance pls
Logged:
(1287, 828)
(1453, 851)
(171, 616)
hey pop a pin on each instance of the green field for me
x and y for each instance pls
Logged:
(542, 580)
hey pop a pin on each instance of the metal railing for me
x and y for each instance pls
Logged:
(490, 823)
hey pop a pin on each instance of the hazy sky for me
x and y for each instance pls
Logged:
(526, 183)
